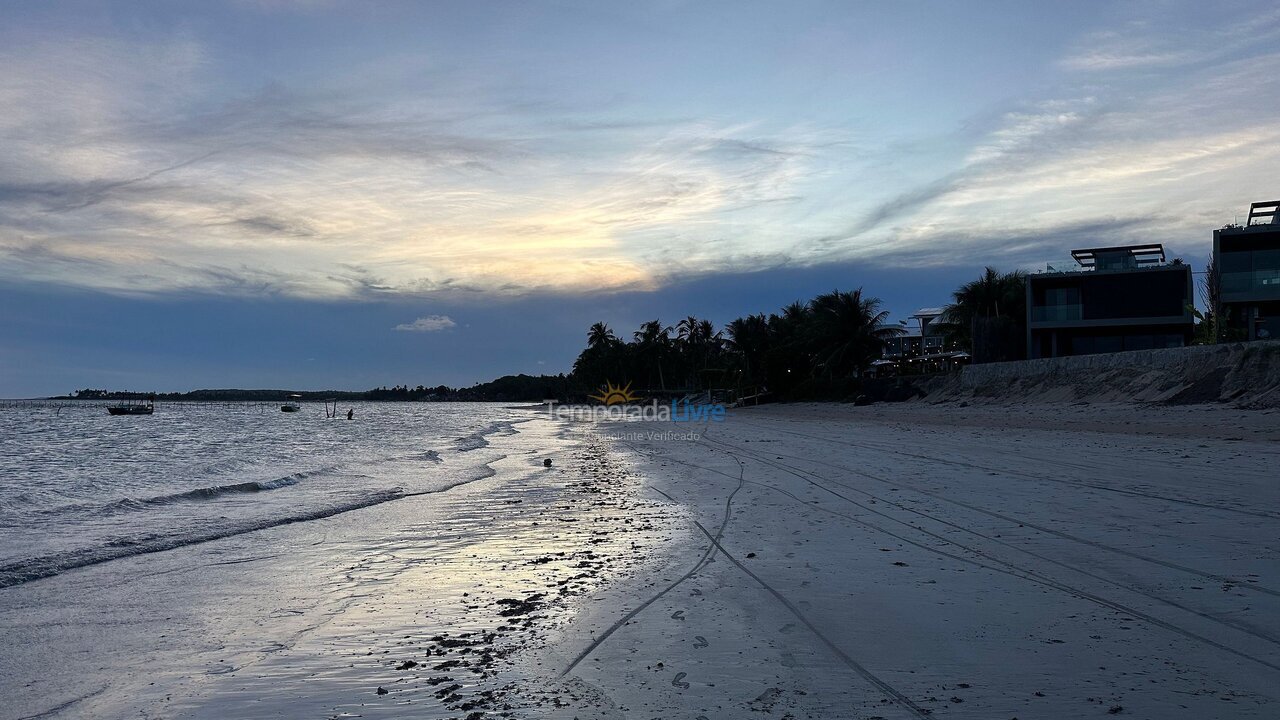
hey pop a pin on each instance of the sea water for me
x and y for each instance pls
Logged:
(80, 487)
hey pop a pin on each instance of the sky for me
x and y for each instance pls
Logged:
(341, 195)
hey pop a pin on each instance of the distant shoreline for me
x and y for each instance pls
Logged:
(159, 398)
(509, 388)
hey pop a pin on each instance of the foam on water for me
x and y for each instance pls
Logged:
(80, 487)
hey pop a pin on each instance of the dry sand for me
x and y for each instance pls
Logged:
(1057, 561)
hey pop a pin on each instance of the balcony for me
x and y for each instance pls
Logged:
(1056, 313)
(1264, 283)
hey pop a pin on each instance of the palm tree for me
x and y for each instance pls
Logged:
(793, 330)
(687, 329)
(848, 331)
(707, 331)
(995, 304)
(602, 360)
(697, 342)
(710, 342)
(653, 343)
(749, 337)
(600, 336)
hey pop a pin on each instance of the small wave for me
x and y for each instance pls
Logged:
(479, 439)
(22, 571)
(469, 443)
(198, 494)
(431, 455)
(208, 493)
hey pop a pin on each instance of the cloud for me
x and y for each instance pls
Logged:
(430, 323)
(275, 190)
(1166, 162)
(402, 176)
(1139, 45)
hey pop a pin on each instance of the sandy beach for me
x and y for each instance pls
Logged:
(792, 561)
(987, 562)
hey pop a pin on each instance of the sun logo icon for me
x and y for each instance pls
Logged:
(612, 394)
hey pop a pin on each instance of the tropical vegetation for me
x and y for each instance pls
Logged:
(987, 316)
(830, 339)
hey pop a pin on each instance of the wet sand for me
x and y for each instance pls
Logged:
(436, 606)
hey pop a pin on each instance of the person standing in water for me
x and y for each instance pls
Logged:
(351, 412)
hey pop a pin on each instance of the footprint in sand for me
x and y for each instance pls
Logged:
(695, 591)
(677, 615)
(699, 642)
(766, 700)
(679, 682)
(789, 627)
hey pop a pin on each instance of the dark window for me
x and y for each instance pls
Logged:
(1137, 294)
(1238, 261)
(1062, 296)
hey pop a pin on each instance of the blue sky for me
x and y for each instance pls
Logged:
(259, 193)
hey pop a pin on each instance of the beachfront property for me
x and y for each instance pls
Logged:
(1247, 260)
(1111, 299)
(923, 347)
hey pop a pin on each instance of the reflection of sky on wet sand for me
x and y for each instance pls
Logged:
(314, 617)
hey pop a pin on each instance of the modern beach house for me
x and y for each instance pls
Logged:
(1111, 299)
(1247, 260)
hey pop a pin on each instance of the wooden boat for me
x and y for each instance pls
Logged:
(134, 407)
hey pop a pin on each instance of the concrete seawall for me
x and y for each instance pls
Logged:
(1243, 374)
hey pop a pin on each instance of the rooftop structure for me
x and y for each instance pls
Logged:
(1260, 210)
(1123, 257)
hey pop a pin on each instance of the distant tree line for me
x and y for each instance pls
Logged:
(504, 389)
(806, 349)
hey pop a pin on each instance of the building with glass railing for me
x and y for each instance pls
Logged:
(1111, 300)
(1247, 262)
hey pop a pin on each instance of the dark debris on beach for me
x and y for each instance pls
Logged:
(473, 673)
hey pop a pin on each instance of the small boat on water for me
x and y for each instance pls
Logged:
(145, 406)
(291, 405)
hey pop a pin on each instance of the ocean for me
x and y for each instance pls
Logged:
(79, 487)
(231, 560)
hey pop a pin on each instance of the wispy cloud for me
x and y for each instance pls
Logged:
(143, 164)
(1152, 42)
(296, 183)
(1166, 159)
(430, 323)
